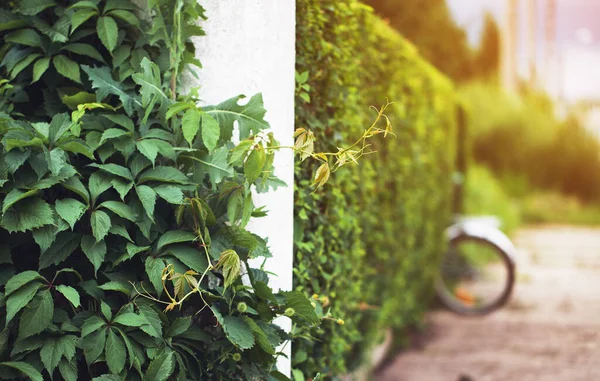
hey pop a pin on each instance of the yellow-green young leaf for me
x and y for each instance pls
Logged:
(67, 67)
(28, 37)
(100, 222)
(80, 17)
(254, 164)
(190, 124)
(24, 368)
(39, 68)
(37, 316)
(108, 31)
(239, 151)
(161, 367)
(114, 352)
(70, 293)
(230, 263)
(210, 132)
(70, 210)
(321, 176)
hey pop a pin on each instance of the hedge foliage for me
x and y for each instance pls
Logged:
(368, 243)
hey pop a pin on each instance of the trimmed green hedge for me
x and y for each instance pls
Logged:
(370, 240)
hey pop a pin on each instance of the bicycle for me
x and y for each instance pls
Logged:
(477, 273)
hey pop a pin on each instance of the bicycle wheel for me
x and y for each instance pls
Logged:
(477, 273)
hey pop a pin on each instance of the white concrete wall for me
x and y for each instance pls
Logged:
(250, 48)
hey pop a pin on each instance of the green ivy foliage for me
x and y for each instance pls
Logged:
(123, 245)
(368, 244)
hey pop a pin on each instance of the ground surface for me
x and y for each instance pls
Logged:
(550, 330)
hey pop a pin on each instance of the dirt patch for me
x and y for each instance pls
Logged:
(549, 331)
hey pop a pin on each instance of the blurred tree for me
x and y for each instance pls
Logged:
(429, 25)
(487, 61)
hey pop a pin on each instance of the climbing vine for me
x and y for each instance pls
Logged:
(124, 249)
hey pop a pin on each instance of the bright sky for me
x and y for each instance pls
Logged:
(578, 35)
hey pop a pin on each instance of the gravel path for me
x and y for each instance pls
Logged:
(549, 331)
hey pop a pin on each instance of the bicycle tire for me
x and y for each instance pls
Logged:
(499, 243)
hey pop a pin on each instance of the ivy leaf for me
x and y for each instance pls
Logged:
(70, 293)
(190, 124)
(152, 94)
(100, 222)
(29, 215)
(120, 209)
(250, 117)
(254, 164)
(24, 368)
(70, 210)
(147, 197)
(122, 287)
(154, 325)
(61, 248)
(103, 82)
(84, 50)
(23, 64)
(215, 164)
(108, 31)
(45, 236)
(37, 316)
(19, 299)
(148, 148)
(94, 251)
(19, 280)
(126, 16)
(174, 236)
(165, 175)
(15, 196)
(210, 132)
(81, 16)
(39, 68)
(33, 7)
(115, 352)
(154, 268)
(112, 133)
(121, 120)
(122, 187)
(303, 307)
(67, 67)
(92, 324)
(238, 332)
(28, 37)
(260, 336)
(179, 326)
(130, 319)
(68, 370)
(60, 124)
(93, 345)
(114, 169)
(189, 256)
(98, 183)
(170, 193)
(161, 367)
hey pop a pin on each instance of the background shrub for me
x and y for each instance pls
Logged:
(370, 241)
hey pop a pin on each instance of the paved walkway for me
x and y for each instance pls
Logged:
(549, 331)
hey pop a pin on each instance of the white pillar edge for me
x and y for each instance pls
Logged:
(249, 48)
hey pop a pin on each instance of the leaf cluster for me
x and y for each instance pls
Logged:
(124, 204)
